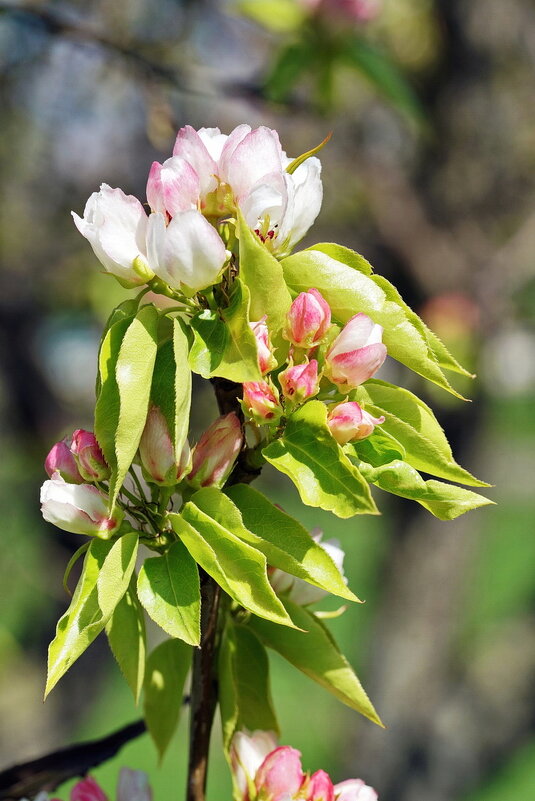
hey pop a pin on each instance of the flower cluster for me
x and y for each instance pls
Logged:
(263, 771)
(73, 505)
(349, 358)
(203, 184)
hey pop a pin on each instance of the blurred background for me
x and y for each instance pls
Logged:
(430, 174)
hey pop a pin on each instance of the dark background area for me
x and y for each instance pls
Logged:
(445, 208)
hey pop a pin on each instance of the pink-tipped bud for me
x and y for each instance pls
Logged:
(308, 320)
(266, 359)
(356, 354)
(173, 186)
(157, 452)
(61, 460)
(79, 508)
(320, 787)
(300, 382)
(216, 452)
(91, 462)
(280, 775)
(354, 790)
(349, 422)
(88, 790)
(247, 752)
(261, 402)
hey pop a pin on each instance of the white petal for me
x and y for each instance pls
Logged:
(192, 148)
(133, 785)
(268, 198)
(258, 154)
(306, 193)
(213, 140)
(354, 335)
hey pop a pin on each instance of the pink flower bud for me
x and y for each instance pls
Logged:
(91, 462)
(308, 320)
(266, 359)
(88, 790)
(354, 790)
(215, 453)
(157, 452)
(320, 787)
(280, 775)
(349, 422)
(356, 354)
(247, 752)
(261, 402)
(79, 508)
(61, 460)
(300, 381)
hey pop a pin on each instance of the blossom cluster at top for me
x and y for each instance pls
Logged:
(207, 179)
(263, 771)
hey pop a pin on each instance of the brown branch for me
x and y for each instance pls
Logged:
(49, 771)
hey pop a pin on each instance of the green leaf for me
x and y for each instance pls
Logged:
(285, 543)
(383, 74)
(315, 653)
(412, 423)
(445, 501)
(244, 687)
(345, 255)
(237, 567)
(377, 449)
(349, 291)
(322, 473)
(225, 345)
(262, 274)
(168, 588)
(165, 674)
(126, 363)
(126, 636)
(171, 382)
(105, 576)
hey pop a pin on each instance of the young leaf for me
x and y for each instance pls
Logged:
(322, 473)
(415, 427)
(165, 674)
(315, 653)
(290, 64)
(445, 501)
(168, 588)
(171, 383)
(237, 567)
(285, 543)
(244, 687)
(262, 274)
(126, 363)
(105, 576)
(226, 346)
(377, 449)
(349, 291)
(126, 636)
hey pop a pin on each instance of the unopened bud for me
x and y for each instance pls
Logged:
(61, 460)
(356, 354)
(308, 320)
(79, 508)
(216, 452)
(261, 402)
(88, 454)
(266, 359)
(349, 422)
(157, 452)
(300, 382)
(300, 591)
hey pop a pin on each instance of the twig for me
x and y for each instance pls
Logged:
(49, 771)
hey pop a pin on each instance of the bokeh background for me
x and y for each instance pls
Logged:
(431, 175)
